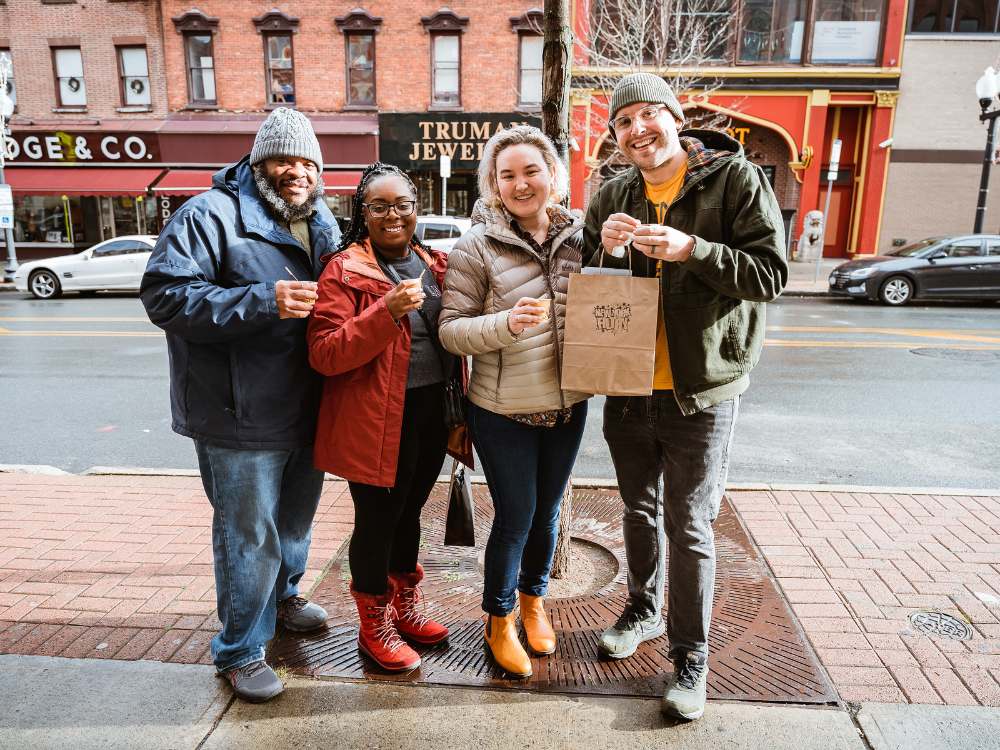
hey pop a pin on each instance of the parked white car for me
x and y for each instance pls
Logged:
(441, 232)
(113, 264)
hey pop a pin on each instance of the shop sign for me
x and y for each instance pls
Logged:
(418, 141)
(60, 147)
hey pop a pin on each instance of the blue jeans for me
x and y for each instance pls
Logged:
(672, 474)
(264, 504)
(526, 468)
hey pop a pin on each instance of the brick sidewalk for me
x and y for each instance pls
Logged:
(121, 567)
(855, 566)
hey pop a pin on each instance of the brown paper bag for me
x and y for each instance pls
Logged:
(610, 337)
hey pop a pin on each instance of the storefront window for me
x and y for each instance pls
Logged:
(280, 71)
(340, 205)
(135, 76)
(48, 218)
(772, 31)
(361, 69)
(958, 16)
(427, 202)
(201, 68)
(846, 31)
(70, 88)
(7, 62)
(123, 215)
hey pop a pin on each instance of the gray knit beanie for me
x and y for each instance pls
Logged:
(643, 87)
(286, 133)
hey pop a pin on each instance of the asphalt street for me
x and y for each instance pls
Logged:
(839, 396)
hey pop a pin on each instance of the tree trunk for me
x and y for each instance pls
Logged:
(563, 556)
(556, 68)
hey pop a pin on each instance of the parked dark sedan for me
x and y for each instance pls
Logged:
(956, 266)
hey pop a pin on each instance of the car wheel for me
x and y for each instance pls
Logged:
(896, 291)
(44, 284)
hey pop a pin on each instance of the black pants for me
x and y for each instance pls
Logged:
(387, 519)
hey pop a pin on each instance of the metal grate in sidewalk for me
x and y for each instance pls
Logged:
(757, 652)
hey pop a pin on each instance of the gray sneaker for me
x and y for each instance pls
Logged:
(685, 695)
(634, 626)
(254, 682)
(295, 613)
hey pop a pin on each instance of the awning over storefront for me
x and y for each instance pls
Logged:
(185, 182)
(81, 181)
(343, 183)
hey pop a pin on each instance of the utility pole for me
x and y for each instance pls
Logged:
(7, 212)
(557, 59)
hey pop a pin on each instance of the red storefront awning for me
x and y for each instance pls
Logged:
(185, 182)
(344, 183)
(80, 181)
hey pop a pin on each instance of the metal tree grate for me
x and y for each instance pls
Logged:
(757, 651)
(941, 625)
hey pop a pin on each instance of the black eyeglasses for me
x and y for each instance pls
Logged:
(624, 123)
(381, 210)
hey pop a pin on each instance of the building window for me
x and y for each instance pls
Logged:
(200, 59)
(958, 16)
(361, 69)
(772, 31)
(8, 64)
(70, 89)
(446, 69)
(846, 31)
(529, 63)
(280, 69)
(134, 75)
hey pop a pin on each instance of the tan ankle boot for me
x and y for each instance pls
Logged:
(507, 650)
(541, 637)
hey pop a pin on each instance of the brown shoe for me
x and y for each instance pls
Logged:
(501, 636)
(541, 637)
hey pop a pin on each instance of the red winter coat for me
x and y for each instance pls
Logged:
(365, 355)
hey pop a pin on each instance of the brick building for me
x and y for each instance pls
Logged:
(409, 82)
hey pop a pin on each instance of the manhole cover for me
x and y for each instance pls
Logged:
(967, 355)
(941, 625)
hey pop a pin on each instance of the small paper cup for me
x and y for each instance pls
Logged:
(547, 304)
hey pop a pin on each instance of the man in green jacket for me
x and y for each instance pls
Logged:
(695, 213)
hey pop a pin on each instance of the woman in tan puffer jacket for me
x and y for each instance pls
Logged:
(504, 303)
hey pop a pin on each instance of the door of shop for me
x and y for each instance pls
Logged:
(839, 227)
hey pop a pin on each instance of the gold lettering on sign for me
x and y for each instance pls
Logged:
(416, 152)
(454, 131)
(739, 134)
(427, 128)
(466, 152)
(447, 149)
(480, 155)
(442, 131)
(429, 154)
(480, 132)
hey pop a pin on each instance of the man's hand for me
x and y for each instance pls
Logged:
(617, 230)
(404, 299)
(527, 313)
(295, 298)
(663, 242)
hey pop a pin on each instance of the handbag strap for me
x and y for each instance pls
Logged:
(389, 271)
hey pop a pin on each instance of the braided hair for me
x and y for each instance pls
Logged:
(357, 229)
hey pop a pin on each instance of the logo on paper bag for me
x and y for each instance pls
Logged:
(612, 319)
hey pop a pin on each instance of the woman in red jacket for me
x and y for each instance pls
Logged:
(381, 421)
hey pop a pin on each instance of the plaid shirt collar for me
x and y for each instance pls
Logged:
(698, 157)
(559, 219)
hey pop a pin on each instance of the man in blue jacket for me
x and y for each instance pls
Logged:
(240, 382)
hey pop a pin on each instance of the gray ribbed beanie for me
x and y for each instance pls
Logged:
(643, 87)
(286, 133)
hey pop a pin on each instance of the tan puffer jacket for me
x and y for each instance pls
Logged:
(489, 270)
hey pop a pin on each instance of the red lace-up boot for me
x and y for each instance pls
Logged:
(378, 637)
(410, 622)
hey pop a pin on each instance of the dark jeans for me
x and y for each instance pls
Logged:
(526, 468)
(264, 503)
(387, 519)
(672, 474)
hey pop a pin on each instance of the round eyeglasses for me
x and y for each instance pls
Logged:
(381, 210)
(624, 123)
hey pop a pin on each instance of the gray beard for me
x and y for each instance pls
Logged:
(285, 209)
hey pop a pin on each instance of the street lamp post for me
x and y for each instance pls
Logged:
(6, 110)
(986, 90)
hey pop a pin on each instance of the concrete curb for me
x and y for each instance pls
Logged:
(583, 483)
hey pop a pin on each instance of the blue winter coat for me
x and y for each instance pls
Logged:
(239, 376)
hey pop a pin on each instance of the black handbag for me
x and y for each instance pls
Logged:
(454, 399)
(460, 524)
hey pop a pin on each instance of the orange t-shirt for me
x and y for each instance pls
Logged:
(662, 196)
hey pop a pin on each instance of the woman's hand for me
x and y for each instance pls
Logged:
(404, 299)
(527, 313)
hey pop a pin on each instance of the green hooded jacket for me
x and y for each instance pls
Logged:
(713, 303)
